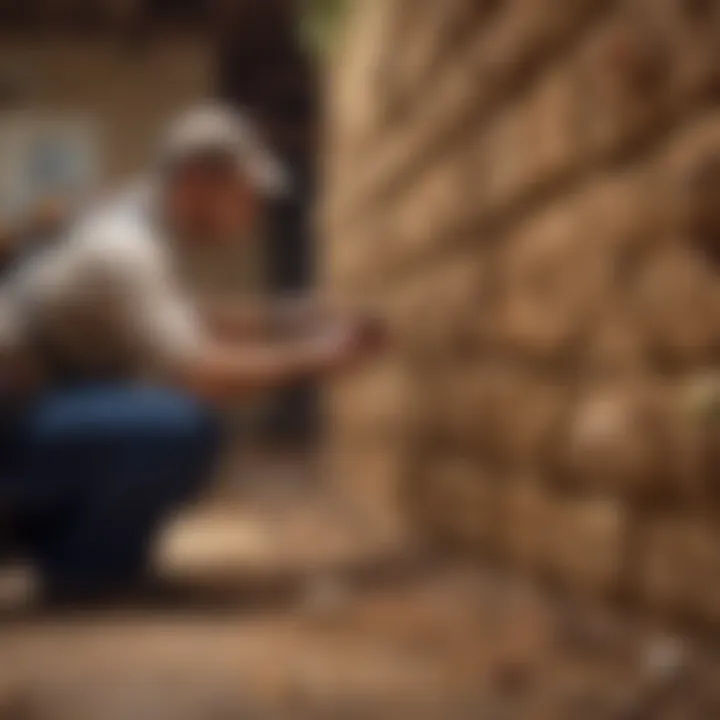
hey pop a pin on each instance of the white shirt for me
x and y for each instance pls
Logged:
(103, 297)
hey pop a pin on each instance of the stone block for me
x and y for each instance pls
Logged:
(677, 300)
(613, 441)
(504, 158)
(459, 501)
(378, 400)
(584, 543)
(616, 344)
(371, 478)
(424, 217)
(690, 29)
(524, 516)
(525, 33)
(624, 73)
(556, 147)
(442, 307)
(554, 281)
(677, 566)
(690, 172)
(621, 214)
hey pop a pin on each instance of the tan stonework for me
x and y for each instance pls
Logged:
(528, 192)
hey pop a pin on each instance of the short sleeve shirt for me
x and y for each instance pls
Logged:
(104, 297)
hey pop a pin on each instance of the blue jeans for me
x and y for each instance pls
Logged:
(96, 469)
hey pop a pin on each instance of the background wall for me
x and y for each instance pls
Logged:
(130, 90)
(527, 190)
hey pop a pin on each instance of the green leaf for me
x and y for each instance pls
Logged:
(320, 21)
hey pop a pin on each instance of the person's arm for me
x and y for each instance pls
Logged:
(232, 367)
(277, 318)
(171, 333)
(222, 371)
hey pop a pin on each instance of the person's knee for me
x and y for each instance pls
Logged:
(190, 428)
(159, 415)
(131, 413)
(181, 437)
(168, 436)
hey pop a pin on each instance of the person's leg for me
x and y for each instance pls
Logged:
(8, 446)
(101, 468)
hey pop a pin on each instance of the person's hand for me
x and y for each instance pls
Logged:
(372, 336)
(344, 344)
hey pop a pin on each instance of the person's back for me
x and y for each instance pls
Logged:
(101, 301)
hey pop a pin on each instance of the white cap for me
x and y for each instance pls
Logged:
(215, 127)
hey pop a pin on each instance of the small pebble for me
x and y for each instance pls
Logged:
(664, 659)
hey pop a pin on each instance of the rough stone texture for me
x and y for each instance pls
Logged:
(528, 191)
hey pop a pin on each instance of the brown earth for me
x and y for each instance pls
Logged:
(299, 612)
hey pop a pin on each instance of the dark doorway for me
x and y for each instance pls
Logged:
(263, 69)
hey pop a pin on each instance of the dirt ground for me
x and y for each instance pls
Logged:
(300, 612)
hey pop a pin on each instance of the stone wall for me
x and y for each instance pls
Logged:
(527, 190)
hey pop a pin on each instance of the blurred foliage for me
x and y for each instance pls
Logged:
(319, 23)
